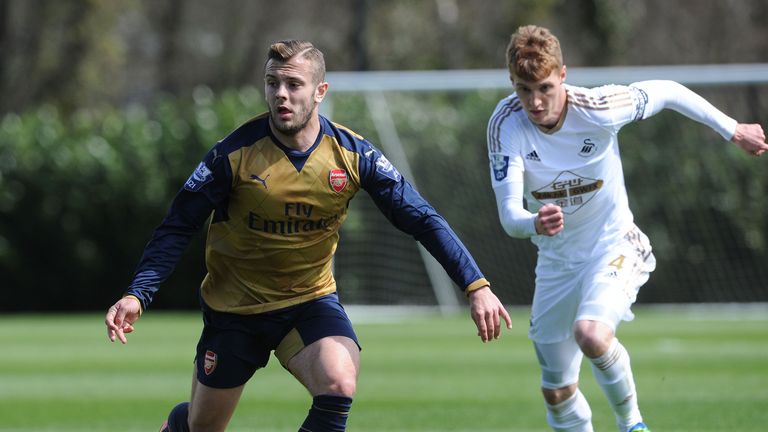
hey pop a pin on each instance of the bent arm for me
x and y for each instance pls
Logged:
(186, 217)
(672, 95)
(206, 190)
(515, 219)
(409, 212)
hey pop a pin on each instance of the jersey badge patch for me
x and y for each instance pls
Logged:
(338, 179)
(199, 178)
(588, 148)
(500, 165)
(211, 359)
(385, 168)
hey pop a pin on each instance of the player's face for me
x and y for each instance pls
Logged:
(292, 94)
(543, 100)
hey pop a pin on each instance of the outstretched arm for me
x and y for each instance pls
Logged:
(408, 211)
(664, 94)
(669, 94)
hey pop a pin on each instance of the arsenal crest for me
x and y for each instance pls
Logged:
(338, 179)
(210, 362)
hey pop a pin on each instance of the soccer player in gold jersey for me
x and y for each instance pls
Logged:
(278, 188)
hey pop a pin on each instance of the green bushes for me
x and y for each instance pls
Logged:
(81, 193)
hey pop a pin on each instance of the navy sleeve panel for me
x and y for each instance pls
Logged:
(206, 190)
(409, 212)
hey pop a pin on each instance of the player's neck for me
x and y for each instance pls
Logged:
(302, 140)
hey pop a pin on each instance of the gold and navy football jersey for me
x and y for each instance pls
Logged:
(276, 215)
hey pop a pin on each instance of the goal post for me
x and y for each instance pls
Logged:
(431, 125)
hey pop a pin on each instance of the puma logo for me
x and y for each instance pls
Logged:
(260, 180)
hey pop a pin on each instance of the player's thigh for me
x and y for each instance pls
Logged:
(328, 366)
(210, 408)
(611, 285)
(555, 302)
(322, 349)
(560, 363)
(232, 347)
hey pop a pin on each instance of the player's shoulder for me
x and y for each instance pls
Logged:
(508, 115)
(596, 99)
(508, 120)
(344, 137)
(509, 107)
(371, 160)
(246, 134)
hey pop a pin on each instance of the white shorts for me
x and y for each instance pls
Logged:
(602, 289)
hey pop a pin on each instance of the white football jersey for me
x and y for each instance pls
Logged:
(575, 166)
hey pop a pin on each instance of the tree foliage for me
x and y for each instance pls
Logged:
(108, 106)
(81, 193)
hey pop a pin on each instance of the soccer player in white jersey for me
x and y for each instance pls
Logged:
(556, 146)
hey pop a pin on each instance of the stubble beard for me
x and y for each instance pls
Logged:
(291, 128)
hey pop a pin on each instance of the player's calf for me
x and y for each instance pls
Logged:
(328, 413)
(613, 373)
(571, 415)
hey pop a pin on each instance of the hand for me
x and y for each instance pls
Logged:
(550, 220)
(485, 308)
(750, 138)
(120, 318)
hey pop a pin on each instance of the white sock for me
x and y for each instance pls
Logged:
(570, 415)
(613, 372)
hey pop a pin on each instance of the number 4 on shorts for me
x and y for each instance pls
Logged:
(618, 262)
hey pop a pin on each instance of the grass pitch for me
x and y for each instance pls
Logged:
(697, 369)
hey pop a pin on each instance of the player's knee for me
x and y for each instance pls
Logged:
(593, 338)
(342, 385)
(555, 396)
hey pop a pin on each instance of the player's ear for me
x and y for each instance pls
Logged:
(320, 91)
(563, 73)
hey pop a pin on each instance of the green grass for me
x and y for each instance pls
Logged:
(696, 369)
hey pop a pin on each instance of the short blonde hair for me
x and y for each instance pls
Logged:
(533, 53)
(283, 51)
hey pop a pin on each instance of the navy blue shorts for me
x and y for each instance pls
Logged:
(232, 347)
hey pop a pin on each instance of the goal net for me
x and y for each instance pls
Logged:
(701, 201)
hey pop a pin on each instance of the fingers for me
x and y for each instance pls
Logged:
(489, 323)
(487, 313)
(121, 325)
(116, 323)
(482, 328)
(109, 320)
(507, 318)
(751, 139)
